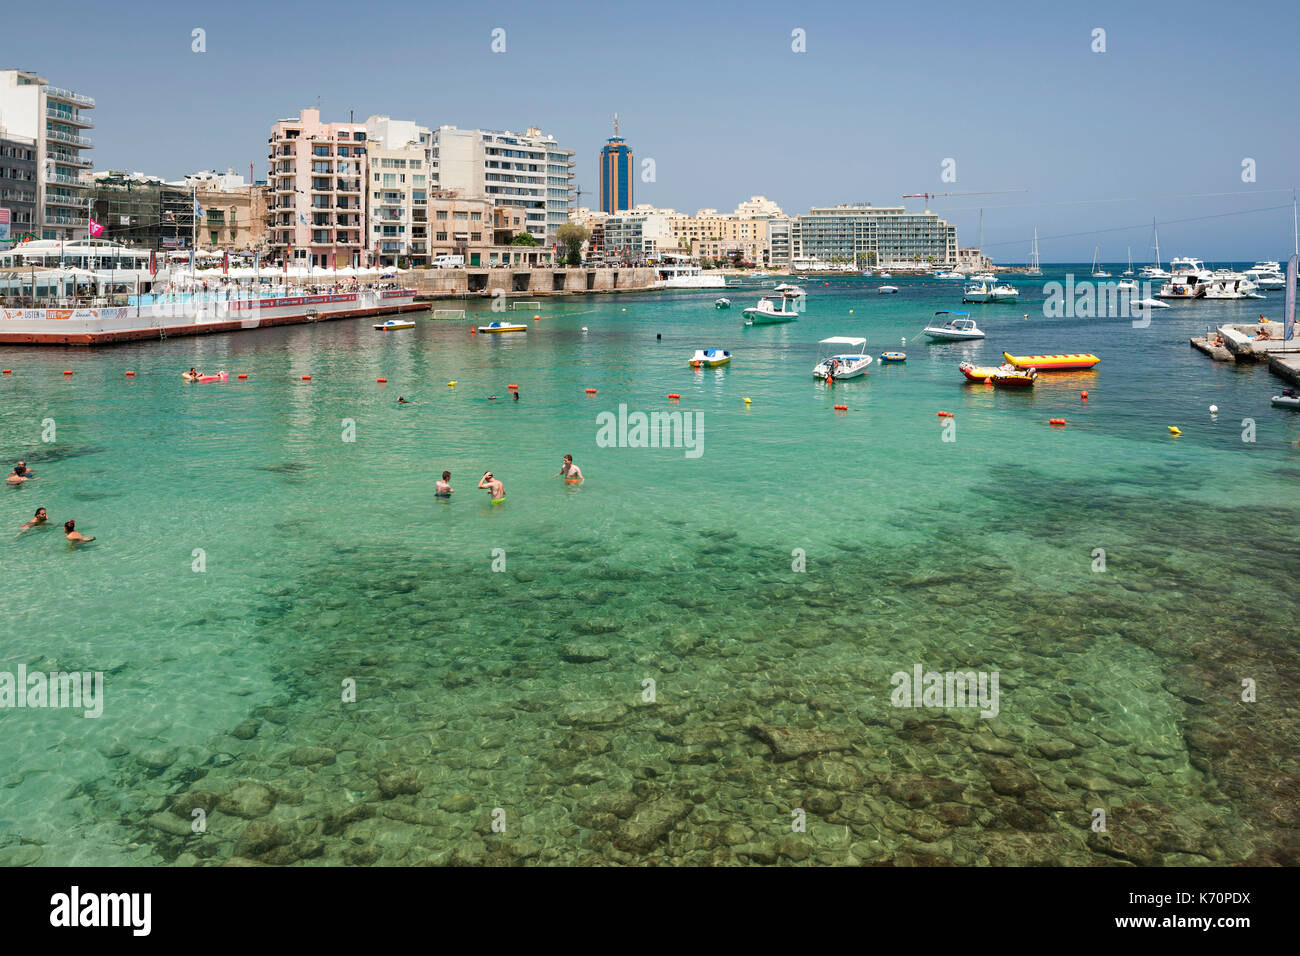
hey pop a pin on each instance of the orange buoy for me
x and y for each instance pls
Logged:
(67, 373)
(381, 381)
(591, 391)
(8, 371)
(1056, 421)
(512, 386)
(945, 414)
(536, 317)
(1084, 395)
(306, 378)
(242, 376)
(472, 330)
(130, 374)
(674, 396)
(841, 408)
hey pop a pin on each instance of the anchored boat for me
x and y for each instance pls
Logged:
(499, 327)
(394, 324)
(710, 358)
(722, 303)
(841, 365)
(1052, 363)
(770, 310)
(960, 328)
(893, 356)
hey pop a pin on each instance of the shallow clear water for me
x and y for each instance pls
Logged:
(329, 560)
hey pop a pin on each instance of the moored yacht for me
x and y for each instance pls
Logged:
(1188, 279)
(1004, 292)
(975, 292)
(770, 310)
(953, 327)
(842, 365)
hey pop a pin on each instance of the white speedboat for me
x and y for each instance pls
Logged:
(1127, 285)
(984, 277)
(975, 292)
(1188, 279)
(953, 327)
(1230, 286)
(866, 273)
(723, 303)
(1288, 399)
(1004, 293)
(770, 310)
(887, 290)
(1267, 276)
(886, 275)
(1148, 304)
(710, 358)
(949, 275)
(839, 365)
(792, 291)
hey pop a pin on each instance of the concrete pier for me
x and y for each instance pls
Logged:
(525, 283)
(1286, 366)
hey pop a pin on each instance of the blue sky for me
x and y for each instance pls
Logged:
(1158, 125)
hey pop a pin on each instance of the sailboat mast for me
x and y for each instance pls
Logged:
(1157, 233)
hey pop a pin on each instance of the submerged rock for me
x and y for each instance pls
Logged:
(791, 743)
(248, 800)
(158, 758)
(394, 783)
(577, 652)
(650, 824)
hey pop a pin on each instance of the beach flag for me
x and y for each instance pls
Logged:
(225, 263)
(198, 210)
(153, 263)
(1291, 268)
(287, 253)
(257, 260)
(95, 229)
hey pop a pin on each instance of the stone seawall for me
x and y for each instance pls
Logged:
(525, 283)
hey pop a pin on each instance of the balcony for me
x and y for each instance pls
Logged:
(55, 136)
(69, 117)
(69, 159)
(76, 202)
(67, 96)
(63, 180)
(55, 220)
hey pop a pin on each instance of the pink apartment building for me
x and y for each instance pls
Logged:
(316, 202)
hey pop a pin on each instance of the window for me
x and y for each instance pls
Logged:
(390, 179)
(441, 214)
(320, 150)
(442, 237)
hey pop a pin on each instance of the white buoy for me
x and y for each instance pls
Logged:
(904, 339)
(584, 328)
(1214, 409)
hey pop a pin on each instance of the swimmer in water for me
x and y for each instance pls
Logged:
(402, 401)
(73, 535)
(442, 488)
(493, 487)
(36, 522)
(516, 395)
(17, 478)
(22, 469)
(571, 472)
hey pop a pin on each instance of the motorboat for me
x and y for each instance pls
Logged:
(497, 328)
(1288, 399)
(770, 310)
(837, 365)
(984, 277)
(953, 327)
(1052, 363)
(866, 273)
(205, 379)
(1097, 271)
(1230, 286)
(1269, 281)
(893, 357)
(887, 290)
(790, 291)
(976, 292)
(1009, 377)
(1005, 292)
(949, 275)
(1187, 280)
(723, 303)
(710, 358)
(394, 324)
(1148, 303)
(886, 275)
(1127, 285)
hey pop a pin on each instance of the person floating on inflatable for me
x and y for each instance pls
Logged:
(571, 472)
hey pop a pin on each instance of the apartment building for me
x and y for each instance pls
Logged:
(866, 236)
(54, 119)
(317, 188)
(19, 175)
(529, 170)
(398, 187)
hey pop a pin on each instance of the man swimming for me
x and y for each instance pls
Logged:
(72, 534)
(571, 472)
(493, 487)
(40, 519)
(443, 489)
(17, 478)
(23, 470)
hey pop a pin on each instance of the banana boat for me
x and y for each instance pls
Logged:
(1052, 363)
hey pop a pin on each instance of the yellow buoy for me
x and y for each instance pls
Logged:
(451, 384)
(1175, 431)
(748, 402)
(850, 311)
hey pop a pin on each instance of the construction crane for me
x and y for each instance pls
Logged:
(980, 192)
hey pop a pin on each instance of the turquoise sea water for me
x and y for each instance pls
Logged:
(524, 690)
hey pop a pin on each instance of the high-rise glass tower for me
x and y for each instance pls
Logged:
(615, 173)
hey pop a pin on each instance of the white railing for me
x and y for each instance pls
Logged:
(54, 199)
(62, 94)
(68, 117)
(70, 138)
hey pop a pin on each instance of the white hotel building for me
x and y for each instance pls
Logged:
(54, 119)
(529, 170)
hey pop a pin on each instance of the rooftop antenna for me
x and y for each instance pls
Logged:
(616, 126)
